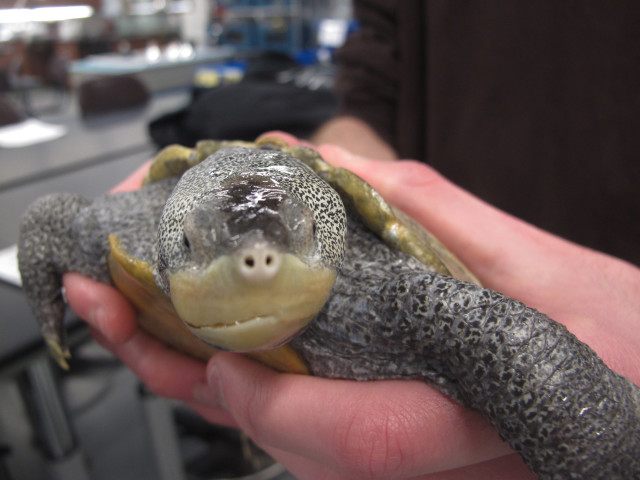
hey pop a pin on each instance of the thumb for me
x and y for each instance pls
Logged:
(398, 424)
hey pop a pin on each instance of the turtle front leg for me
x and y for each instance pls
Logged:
(50, 245)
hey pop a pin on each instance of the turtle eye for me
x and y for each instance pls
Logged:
(186, 241)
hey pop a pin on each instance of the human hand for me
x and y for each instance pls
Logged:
(114, 325)
(332, 429)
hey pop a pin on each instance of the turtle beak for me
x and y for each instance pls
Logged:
(255, 298)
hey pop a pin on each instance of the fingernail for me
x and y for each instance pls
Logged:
(209, 392)
(204, 395)
(96, 317)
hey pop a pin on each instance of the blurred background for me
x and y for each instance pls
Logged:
(89, 90)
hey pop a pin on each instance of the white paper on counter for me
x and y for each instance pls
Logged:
(9, 265)
(29, 132)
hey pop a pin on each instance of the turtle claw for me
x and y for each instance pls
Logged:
(60, 353)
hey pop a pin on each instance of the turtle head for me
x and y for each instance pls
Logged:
(248, 263)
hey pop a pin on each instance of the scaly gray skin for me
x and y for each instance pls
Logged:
(64, 232)
(549, 395)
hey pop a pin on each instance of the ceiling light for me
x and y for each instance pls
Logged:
(45, 14)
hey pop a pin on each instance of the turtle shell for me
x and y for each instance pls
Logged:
(134, 277)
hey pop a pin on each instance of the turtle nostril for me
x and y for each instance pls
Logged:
(259, 263)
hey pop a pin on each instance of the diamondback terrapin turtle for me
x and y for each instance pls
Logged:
(267, 249)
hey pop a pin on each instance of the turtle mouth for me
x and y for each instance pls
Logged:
(232, 309)
(252, 334)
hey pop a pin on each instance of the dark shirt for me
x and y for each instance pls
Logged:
(533, 106)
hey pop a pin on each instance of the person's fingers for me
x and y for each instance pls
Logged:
(388, 427)
(165, 371)
(113, 321)
(114, 325)
(134, 181)
(505, 252)
(509, 467)
(303, 468)
(212, 414)
(102, 306)
(477, 232)
(288, 138)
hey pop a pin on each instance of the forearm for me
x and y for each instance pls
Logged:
(354, 135)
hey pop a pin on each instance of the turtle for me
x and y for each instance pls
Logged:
(266, 249)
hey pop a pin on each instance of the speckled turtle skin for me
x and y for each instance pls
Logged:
(389, 316)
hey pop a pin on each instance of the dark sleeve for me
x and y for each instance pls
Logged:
(381, 72)
(367, 81)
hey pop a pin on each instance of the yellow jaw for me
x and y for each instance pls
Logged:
(228, 310)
